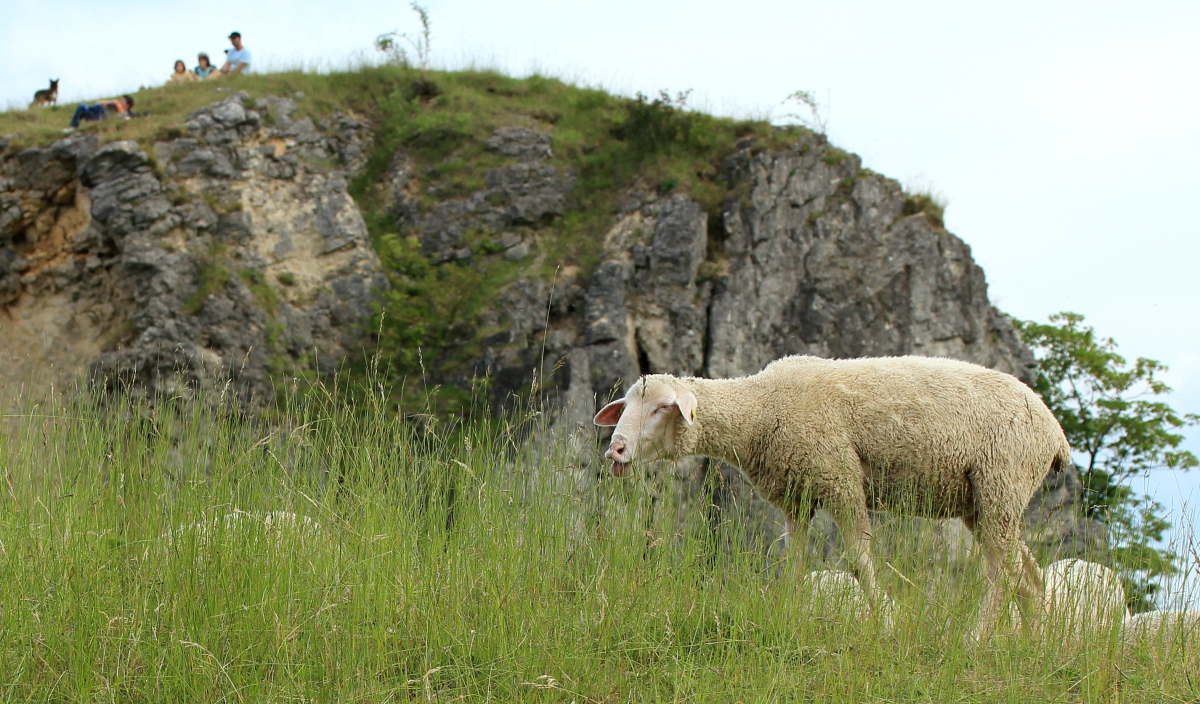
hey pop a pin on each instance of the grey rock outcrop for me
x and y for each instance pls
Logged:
(823, 263)
(813, 257)
(234, 257)
(1055, 523)
(525, 195)
(520, 142)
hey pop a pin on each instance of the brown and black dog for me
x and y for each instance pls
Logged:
(47, 96)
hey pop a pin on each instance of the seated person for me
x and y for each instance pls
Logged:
(182, 75)
(204, 68)
(99, 109)
(238, 60)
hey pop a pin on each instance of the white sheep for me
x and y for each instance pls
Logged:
(932, 437)
(1082, 599)
(834, 595)
(834, 588)
(270, 522)
(1171, 636)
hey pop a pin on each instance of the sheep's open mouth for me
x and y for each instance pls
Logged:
(618, 468)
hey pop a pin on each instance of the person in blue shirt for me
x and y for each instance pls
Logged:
(238, 60)
(204, 68)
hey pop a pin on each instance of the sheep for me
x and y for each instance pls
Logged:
(835, 587)
(1175, 634)
(1082, 598)
(270, 522)
(925, 436)
(834, 595)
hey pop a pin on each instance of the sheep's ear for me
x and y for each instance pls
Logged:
(686, 402)
(610, 414)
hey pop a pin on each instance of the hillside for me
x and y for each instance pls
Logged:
(435, 129)
(469, 236)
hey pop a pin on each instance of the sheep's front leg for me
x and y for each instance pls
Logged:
(840, 489)
(856, 534)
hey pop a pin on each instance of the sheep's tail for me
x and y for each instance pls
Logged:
(1062, 458)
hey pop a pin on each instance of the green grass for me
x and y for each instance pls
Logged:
(932, 206)
(211, 278)
(170, 105)
(445, 567)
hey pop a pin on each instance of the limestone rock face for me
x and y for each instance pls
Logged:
(823, 263)
(62, 304)
(228, 255)
(1055, 524)
(812, 257)
(523, 195)
(520, 142)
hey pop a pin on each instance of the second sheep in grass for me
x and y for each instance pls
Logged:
(1164, 636)
(914, 435)
(1082, 599)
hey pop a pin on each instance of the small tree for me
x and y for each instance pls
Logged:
(391, 43)
(1108, 411)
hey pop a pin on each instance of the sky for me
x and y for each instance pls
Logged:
(1064, 135)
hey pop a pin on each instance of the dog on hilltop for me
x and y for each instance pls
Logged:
(46, 96)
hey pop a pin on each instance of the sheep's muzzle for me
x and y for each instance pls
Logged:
(617, 453)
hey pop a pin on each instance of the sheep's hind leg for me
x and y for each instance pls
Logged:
(1000, 538)
(1029, 591)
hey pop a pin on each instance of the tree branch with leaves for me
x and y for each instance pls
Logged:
(1113, 418)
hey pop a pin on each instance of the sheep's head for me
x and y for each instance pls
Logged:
(647, 420)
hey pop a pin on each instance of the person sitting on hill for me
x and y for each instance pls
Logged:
(238, 60)
(100, 109)
(182, 74)
(204, 68)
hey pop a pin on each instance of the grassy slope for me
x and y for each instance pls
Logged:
(441, 570)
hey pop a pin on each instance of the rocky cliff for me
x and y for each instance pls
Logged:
(232, 252)
(227, 253)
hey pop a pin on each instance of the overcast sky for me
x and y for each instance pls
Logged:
(1065, 135)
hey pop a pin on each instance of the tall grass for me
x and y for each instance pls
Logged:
(149, 554)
